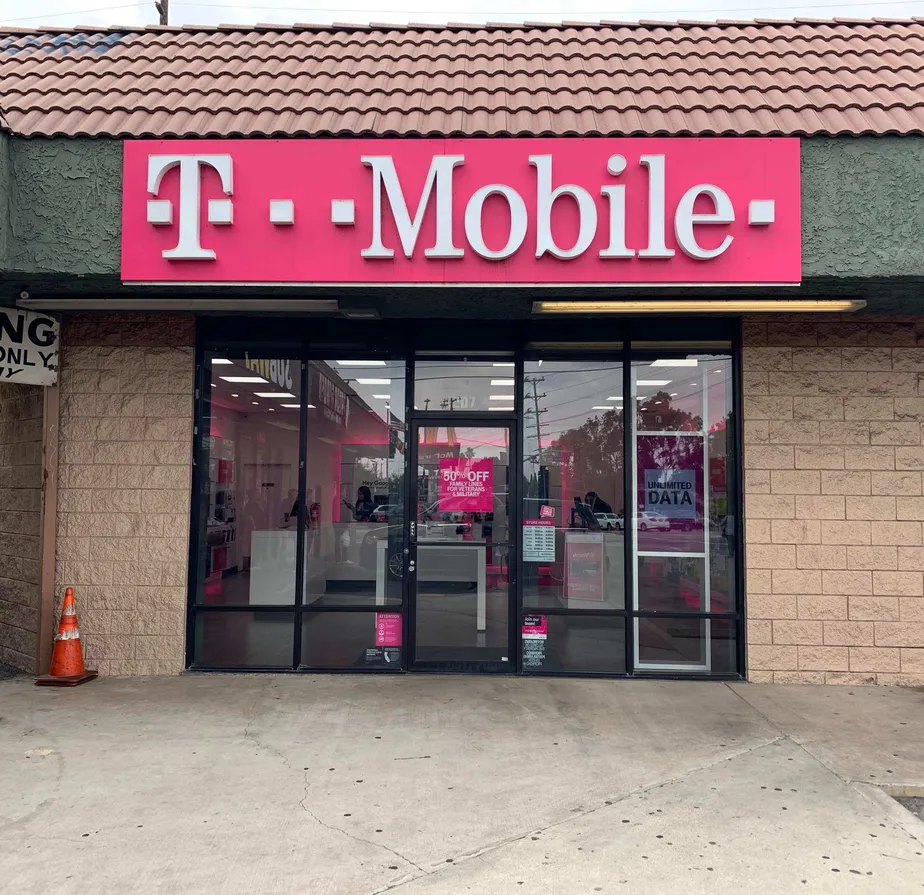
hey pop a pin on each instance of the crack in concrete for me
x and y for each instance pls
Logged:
(356, 838)
(609, 803)
(260, 744)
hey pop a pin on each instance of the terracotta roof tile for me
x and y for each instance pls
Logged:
(755, 78)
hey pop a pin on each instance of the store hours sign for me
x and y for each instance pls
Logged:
(633, 211)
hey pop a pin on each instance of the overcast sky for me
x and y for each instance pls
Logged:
(67, 13)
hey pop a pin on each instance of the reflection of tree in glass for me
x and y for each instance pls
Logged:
(596, 452)
(669, 452)
(655, 414)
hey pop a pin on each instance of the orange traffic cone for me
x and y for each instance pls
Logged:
(67, 659)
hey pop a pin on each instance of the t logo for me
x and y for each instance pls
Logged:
(160, 211)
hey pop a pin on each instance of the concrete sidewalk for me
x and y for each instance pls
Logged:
(425, 784)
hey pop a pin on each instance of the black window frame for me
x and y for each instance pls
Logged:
(566, 339)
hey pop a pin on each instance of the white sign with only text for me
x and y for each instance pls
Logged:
(28, 347)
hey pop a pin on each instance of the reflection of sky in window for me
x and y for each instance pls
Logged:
(571, 392)
(464, 385)
(684, 390)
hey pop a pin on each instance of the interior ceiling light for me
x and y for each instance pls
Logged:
(675, 362)
(653, 381)
(382, 397)
(291, 406)
(508, 409)
(274, 394)
(503, 382)
(361, 363)
(221, 361)
(603, 407)
(502, 365)
(234, 395)
(501, 398)
(243, 379)
(374, 381)
(614, 398)
(703, 306)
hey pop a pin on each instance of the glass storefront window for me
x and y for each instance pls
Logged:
(683, 533)
(464, 385)
(355, 445)
(573, 470)
(360, 640)
(249, 458)
(317, 459)
(686, 645)
(579, 644)
(244, 639)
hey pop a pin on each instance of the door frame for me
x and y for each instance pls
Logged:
(486, 420)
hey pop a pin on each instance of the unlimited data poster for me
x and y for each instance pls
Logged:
(671, 498)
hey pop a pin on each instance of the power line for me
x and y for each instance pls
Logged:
(492, 12)
(79, 12)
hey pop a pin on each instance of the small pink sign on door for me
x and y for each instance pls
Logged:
(388, 629)
(466, 485)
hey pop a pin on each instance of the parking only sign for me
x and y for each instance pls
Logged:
(28, 347)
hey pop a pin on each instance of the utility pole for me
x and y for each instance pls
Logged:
(534, 382)
(163, 10)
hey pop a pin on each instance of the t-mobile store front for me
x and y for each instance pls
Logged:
(541, 478)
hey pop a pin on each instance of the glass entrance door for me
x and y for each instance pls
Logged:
(461, 548)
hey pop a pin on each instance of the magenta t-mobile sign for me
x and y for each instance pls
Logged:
(645, 211)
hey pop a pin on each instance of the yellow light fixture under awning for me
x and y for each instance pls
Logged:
(703, 306)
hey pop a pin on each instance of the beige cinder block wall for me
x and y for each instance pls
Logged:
(21, 413)
(124, 486)
(833, 456)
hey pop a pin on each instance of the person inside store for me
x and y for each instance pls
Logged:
(596, 503)
(363, 507)
(582, 516)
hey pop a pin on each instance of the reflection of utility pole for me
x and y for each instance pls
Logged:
(448, 402)
(426, 403)
(163, 10)
(534, 382)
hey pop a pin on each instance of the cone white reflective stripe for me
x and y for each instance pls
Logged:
(69, 610)
(73, 634)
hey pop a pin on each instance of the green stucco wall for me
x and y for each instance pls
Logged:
(4, 201)
(863, 207)
(66, 206)
(862, 210)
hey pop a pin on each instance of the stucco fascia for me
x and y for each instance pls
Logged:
(66, 206)
(4, 201)
(862, 207)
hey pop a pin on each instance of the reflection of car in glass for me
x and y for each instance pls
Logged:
(382, 512)
(609, 521)
(685, 524)
(645, 521)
